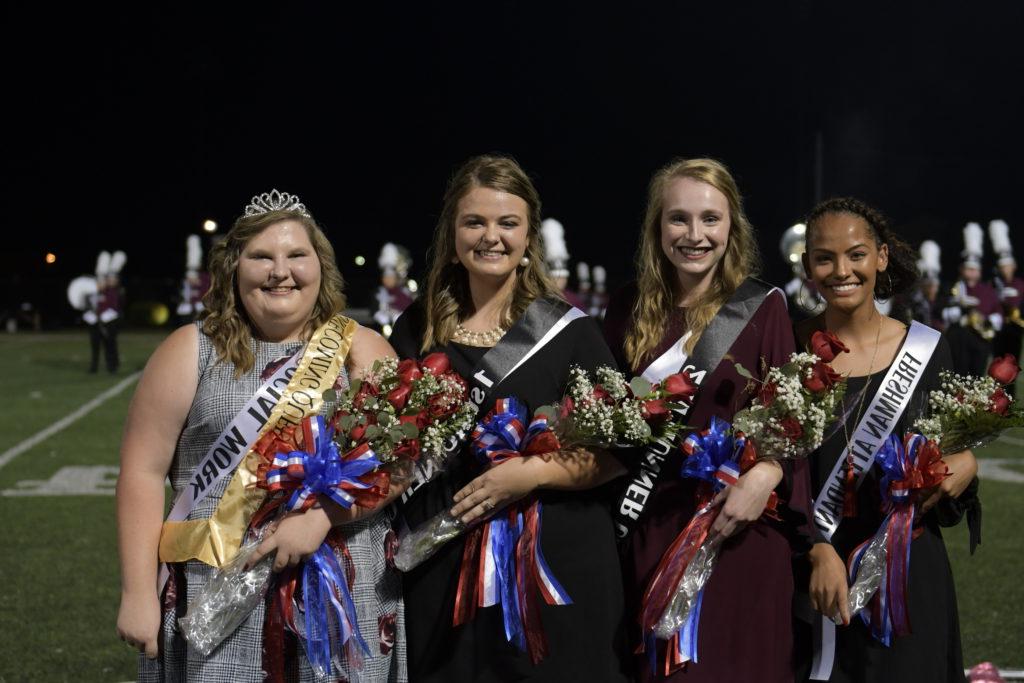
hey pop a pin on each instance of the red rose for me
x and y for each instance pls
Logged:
(766, 394)
(827, 346)
(1004, 369)
(566, 408)
(655, 410)
(822, 377)
(601, 394)
(436, 364)
(420, 419)
(408, 448)
(998, 402)
(366, 389)
(399, 395)
(791, 428)
(409, 371)
(679, 387)
(359, 430)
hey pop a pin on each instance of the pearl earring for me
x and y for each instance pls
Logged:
(525, 261)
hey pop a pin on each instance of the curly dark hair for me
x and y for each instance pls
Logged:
(902, 273)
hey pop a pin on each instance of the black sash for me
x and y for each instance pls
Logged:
(712, 346)
(542, 321)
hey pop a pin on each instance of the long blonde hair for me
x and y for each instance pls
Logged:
(658, 286)
(225, 320)
(447, 298)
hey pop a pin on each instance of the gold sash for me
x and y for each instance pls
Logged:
(216, 540)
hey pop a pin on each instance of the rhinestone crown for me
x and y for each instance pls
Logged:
(275, 201)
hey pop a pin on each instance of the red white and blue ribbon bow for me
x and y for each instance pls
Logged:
(713, 458)
(502, 560)
(908, 465)
(320, 469)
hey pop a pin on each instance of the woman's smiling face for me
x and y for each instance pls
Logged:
(843, 260)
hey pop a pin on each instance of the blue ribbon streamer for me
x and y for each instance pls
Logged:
(325, 592)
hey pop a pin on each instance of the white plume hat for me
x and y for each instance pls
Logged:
(974, 247)
(930, 262)
(999, 233)
(556, 253)
(193, 253)
(103, 264)
(117, 261)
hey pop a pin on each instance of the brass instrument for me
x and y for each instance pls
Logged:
(1015, 317)
(974, 318)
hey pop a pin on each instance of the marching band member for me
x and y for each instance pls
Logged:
(973, 314)
(1010, 290)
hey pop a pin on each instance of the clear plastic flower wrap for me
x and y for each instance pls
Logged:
(687, 593)
(871, 573)
(226, 600)
(419, 545)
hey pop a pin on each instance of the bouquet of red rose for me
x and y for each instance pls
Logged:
(787, 419)
(968, 411)
(502, 559)
(606, 413)
(397, 415)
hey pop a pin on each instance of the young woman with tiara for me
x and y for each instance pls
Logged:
(276, 295)
(696, 305)
(491, 307)
(854, 258)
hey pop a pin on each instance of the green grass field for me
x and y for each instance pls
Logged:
(59, 568)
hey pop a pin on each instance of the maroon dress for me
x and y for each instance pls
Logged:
(745, 631)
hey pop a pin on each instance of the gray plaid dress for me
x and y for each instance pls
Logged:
(376, 591)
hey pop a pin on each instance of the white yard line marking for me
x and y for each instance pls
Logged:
(68, 419)
(1013, 441)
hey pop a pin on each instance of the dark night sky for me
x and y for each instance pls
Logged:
(126, 128)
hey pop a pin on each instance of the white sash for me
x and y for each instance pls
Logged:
(669, 362)
(879, 421)
(234, 442)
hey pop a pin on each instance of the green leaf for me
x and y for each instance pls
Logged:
(396, 434)
(640, 386)
(742, 371)
(790, 369)
(355, 386)
(384, 418)
(330, 396)
(372, 432)
(549, 411)
(347, 422)
(410, 430)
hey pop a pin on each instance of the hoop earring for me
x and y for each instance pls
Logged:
(455, 259)
(525, 261)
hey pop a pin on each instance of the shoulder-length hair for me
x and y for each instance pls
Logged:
(225, 319)
(658, 287)
(447, 297)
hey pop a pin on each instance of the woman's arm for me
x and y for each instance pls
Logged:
(155, 419)
(962, 469)
(571, 470)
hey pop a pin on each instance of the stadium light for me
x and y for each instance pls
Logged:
(51, 258)
(210, 225)
(360, 260)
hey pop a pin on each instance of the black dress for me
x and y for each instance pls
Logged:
(585, 639)
(931, 653)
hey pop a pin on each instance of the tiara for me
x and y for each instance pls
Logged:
(275, 201)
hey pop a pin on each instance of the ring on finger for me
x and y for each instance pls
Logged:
(488, 505)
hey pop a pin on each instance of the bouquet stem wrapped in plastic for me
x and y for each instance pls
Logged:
(226, 600)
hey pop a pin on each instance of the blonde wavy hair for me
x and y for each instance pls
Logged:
(658, 286)
(225, 319)
(447, 295)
